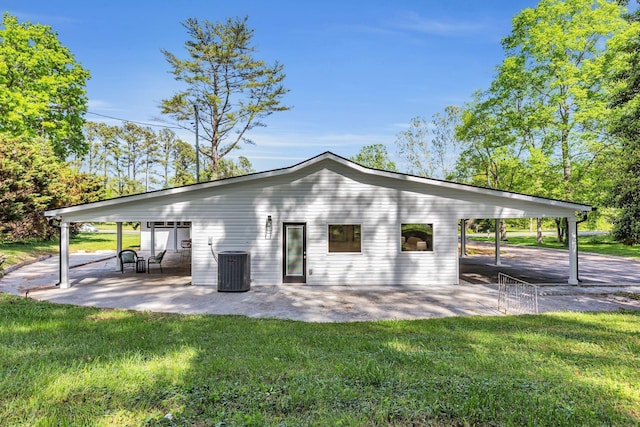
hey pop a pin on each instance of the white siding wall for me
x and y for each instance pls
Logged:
(320, 199)
(164, 237)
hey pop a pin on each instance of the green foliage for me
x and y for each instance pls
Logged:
(626, 226)
(183, 159)
(547, 106)
(228, 168)
(32, 180)
(375, 156)
(131, 159)
(489, 157)
(66, 365)
(542, 126)
(42, 87)
(431, 148)
(232, 91)
(626, 171)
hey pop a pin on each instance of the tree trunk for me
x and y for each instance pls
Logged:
(146, 175)
(214, 165)
(566, 161)
(503, 230)
(562, 230)
(559, 232)
(539, 230)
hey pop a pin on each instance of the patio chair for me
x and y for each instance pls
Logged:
(156, 260)
(128, 257)
(185, 249)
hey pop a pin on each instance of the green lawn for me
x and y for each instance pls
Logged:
(601, 244)
(89, 242)
(65, 365)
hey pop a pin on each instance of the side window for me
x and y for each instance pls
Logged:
(344, 238)
(169, 224)
(416, 237)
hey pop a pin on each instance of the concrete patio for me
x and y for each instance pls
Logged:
(97, 281)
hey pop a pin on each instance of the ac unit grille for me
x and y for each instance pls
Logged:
(234, 271)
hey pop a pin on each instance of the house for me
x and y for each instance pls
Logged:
(325, 221)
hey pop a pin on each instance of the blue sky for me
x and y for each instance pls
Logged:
(357, 71)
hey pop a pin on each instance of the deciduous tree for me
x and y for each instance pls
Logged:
(228, 168)
(42, 87)
(375, 156)
(231, 89)
(33, 179)
(626, 125)
(431, 147)
(548, 99)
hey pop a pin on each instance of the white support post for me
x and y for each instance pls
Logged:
(498, 242)
(572, 235)
(118, 242)
(463, 238)
(153, 238)
(175, 235)
(64, 255)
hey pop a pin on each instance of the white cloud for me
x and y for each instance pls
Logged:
(99, 104)
(414, 22)
(319, 141)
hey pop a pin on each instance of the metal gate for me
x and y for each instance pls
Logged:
(516, 296)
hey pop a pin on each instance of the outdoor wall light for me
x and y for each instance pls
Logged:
(268, 227)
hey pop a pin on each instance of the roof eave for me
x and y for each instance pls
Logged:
(302, 165)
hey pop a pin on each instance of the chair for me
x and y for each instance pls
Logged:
(185, 249)
(127, 256)
(156, 260)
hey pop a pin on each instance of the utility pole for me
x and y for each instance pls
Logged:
(195, 110)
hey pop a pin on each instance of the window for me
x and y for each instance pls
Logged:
(416, 237)
(344, 238)
(169, 224)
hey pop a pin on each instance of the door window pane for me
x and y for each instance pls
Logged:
(344, 238)
(295, 251)
(416, 237)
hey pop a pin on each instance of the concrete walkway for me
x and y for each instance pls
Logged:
(98, 282)
(548, 266)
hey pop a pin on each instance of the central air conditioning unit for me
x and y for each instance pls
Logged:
(234, 271)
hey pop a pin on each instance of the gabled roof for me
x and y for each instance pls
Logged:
(306, 164)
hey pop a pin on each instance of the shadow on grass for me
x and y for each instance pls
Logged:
(89, 366)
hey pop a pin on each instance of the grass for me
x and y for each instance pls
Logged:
(89, 242)
(600, 244)
(65, 365)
